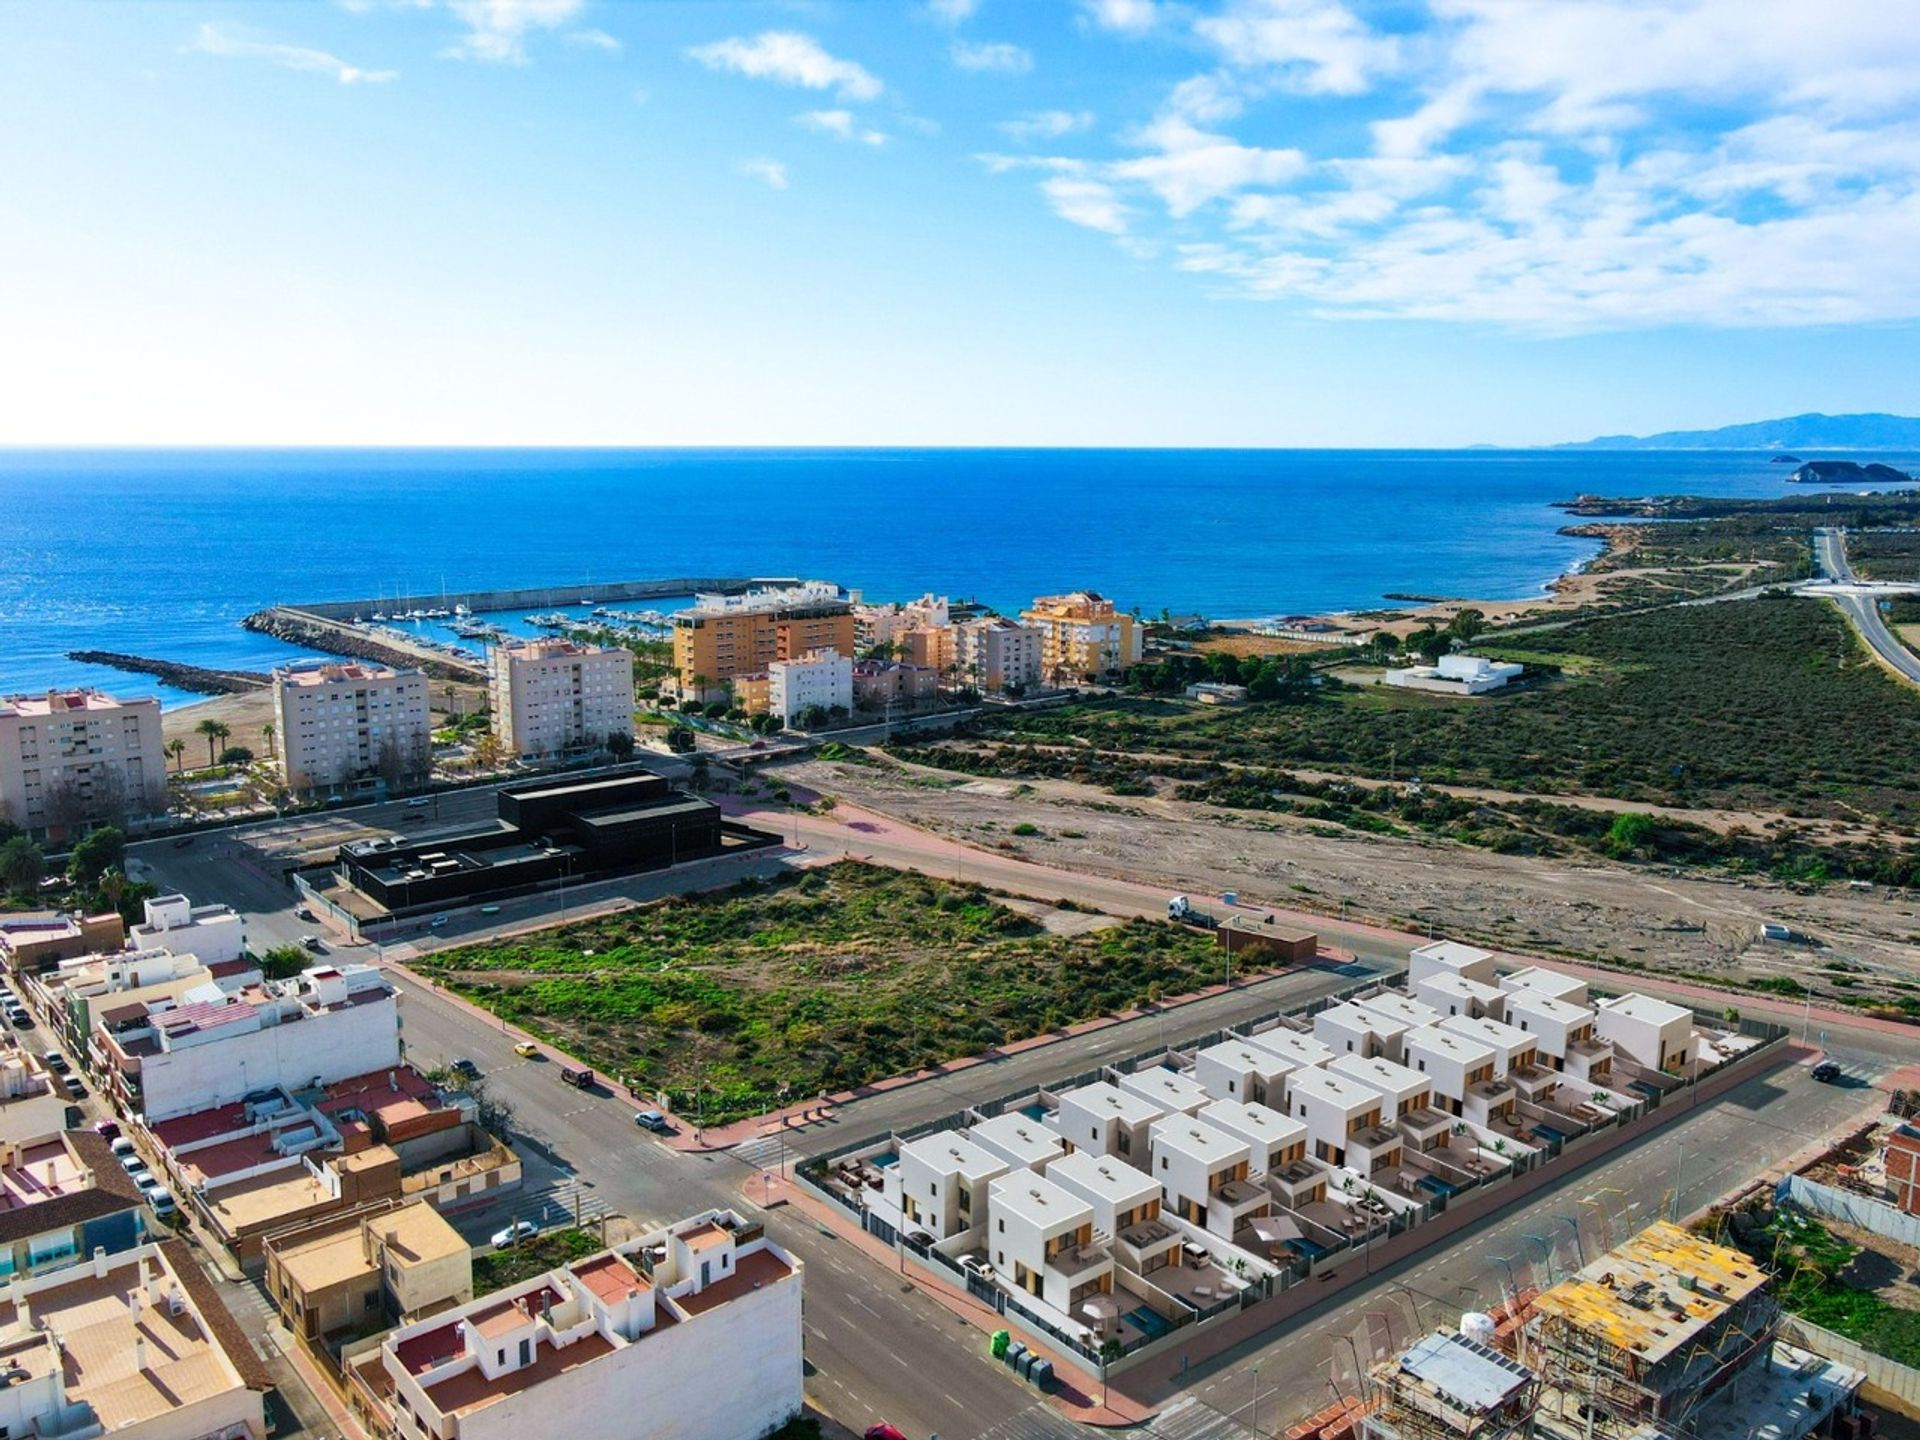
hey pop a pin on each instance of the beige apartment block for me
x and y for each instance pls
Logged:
(70, 758)
(995, 655)
(722, 636)
(1083, 636)
(553, 698)
(344, 723)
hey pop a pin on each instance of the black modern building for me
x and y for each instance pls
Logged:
(545, 833)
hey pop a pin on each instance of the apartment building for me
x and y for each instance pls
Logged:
(880, 683)
(212, 934)
(1274, 1140)
(933, 648)
(358, 1271)
(1126, 1209)
(136, 1345)
(876, 625)
(1236, 1069)
(1041, 1242)
(554, 698)
(73, 996)
(163, 1059)
(940, 1183)
(64, 1195)
(1082, 637)
(820, 679)
(1020, 1140)
(722, 636)
(340, 723)
(1204, 1174)
(691, 1332)
(1105, 1120)
(73, 758)
(1649, 1032)
(31, 944)
(996, 655)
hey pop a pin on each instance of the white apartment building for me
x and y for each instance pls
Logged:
(70, 758)
(1649, 1032)
(1298, 1049)
(1457, 995)
(1041, 1242)
(553, 698)
(1450, 957)
(1173, 1092)
(1274, 1140)
(940, 1183)
(213, 934)
(1106, 1120)
(995, 654)
(1393, 1014)
(1238, 1070)
(1513, 1048)
(1020, 1140)
(1540, 981)
(214, 1048)
(1204, 1173)
(1126, 1209)
(885, 624)
(341, 722)
(820, 677)
(692, 1332)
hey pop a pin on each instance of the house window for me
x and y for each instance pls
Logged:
(526, 1352)
(1003, 1226)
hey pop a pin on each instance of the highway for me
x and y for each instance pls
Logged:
(1861, 607)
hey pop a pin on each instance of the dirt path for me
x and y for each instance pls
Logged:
(1659, 918)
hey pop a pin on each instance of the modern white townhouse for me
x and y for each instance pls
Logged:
(940, 1183)
(1395, 1013)
(1126, 1209)
(1538, 981)
(1041, 1240)
(1457, 995)
(1299, 1049)
(1274, 1140)
(1456, 1064)
(1107, 1120)
(1407, 1098)
(1349, 1030)
(1450, 957)
(1239, 1070)
(1020, 1140)
(1564, 1030)
(1650, 1032)
(1204, 1173)
(1173, 1092)
(1513, 1048)
(1343, 1120)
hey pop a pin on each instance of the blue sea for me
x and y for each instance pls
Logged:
(160, 553)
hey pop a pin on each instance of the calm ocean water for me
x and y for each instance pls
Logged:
(160, 553)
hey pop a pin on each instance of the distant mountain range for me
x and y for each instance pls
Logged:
(1795, 432)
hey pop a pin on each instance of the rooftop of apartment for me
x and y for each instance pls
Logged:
(59, 1180)
(1197, 1141)
(1459, 1373)
(317, 674)
(1105, 1098)
(769, 598)
(1653, 1294)
(1238, 1054)
(552, 647)
(1113, 1180)
(412, 1235)
(1021, 1136)
(69, 702)
(1038, 1201)
(1454, 955)
(1298, 1049)
(1646, 1009)
(1250, 1121)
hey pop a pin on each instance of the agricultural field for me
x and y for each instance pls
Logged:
(1764, 704)
(820, 981)
(1884, 554)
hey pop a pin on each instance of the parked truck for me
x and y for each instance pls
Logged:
(1183, 911)
(579, 1079)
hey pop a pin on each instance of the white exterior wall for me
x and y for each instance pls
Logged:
(1649, 1032)
(333, 1045)
(1235, 1070)
(1107, 1120)
(1511, 1045)
(105, 747)
(823, 678)
(212, 934)
(1268, 1132)
(1551, 1021)
(1447, 1059)
(552, 697)
(1400, 1089)
(335, 721)
(1328, 1104)
(932, 1171)
(996, 655)
(1125, 1190)
(1457, 995)
(1349, 1030)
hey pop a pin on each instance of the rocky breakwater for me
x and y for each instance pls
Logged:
(331, 637)
(195, 679)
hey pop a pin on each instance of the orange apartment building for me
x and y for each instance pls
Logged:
(724, 636)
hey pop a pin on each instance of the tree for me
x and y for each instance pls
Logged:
(236, 755)
(487, 750)
(176, 747)
(96, 853)
(1628, 835)
(620, 744)
(268, 731)
(680, 740)
(1429, 643)
(22, 866)
(811, 718)
(283, 962)
(1468, 624)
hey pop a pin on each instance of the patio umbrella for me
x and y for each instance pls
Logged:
(1275, 1229)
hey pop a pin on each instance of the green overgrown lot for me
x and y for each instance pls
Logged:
(1884, 554)
(828, 979)
(496, 1269)
(1766, 703)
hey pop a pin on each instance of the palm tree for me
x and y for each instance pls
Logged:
(219, 734)
(176, 747)
(211, 729)
(269, 730)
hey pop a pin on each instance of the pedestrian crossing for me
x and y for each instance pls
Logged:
(769, 1152)
(1039, 1421)
(1191, 1419)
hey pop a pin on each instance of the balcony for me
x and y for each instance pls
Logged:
(1074, 1260)
(1425, 1128)
(1297, 1184)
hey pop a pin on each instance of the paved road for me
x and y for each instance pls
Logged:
(1862, 609)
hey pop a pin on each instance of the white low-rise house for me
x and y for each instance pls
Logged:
(1457, 995)
(1349, 1030)
(688, 1333)
(1455, 1063)
(1126, 1209)
(1042, 1243)
(1236, 1069)
(1649, 1032)
(1455, 675)
(1540, 981)
(1343, 1120)
(1023, 1142)
(1559, 1026)
(1274, 1140)
(1450, 957)
(822, 678)
(214, 934)
(940, 1183)
(1173, 1092)
(1402, 1089)
(1204, 1173)
(1393, 1014)
(1107, 1120)
(1513, 1048)
(1299, 1049)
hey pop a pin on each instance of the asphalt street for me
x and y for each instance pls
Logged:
(1862, 609)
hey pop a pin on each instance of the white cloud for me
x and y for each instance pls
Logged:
(593, 39)
(996, 57)
(1318, 46)
(1047, 124)
(1125, 17)
(790, 58)
(770, 173)
(1191, 166)
(217, 40)
(840, 124)
(497, 30)
(1087, 202)
(952, 12)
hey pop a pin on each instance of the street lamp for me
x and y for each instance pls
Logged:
(1579, 1246)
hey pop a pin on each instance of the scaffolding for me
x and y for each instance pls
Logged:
(1447, 1387)
(1636, 1341)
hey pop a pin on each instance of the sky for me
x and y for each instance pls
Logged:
(952, 222)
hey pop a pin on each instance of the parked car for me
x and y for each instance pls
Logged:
(578, 1077)
(57, 1062)
(303, 913)
(884, 1431)
(119, 1144)
(314, 943)
(516, 1232)
(142, 1178)
(1826, 1072)
(437, 922)
(160, 1199)
(71, 1084)
(108, 1130)
(651, 1120)
(466, 1067)
(526, 1048)
(489, 909)
(419, 802)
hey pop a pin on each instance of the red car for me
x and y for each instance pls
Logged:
(106, 1129)
(883, 1431)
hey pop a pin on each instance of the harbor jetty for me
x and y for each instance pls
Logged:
(195, 679)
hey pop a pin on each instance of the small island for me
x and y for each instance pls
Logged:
(1785, 460)
(1847, 472)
